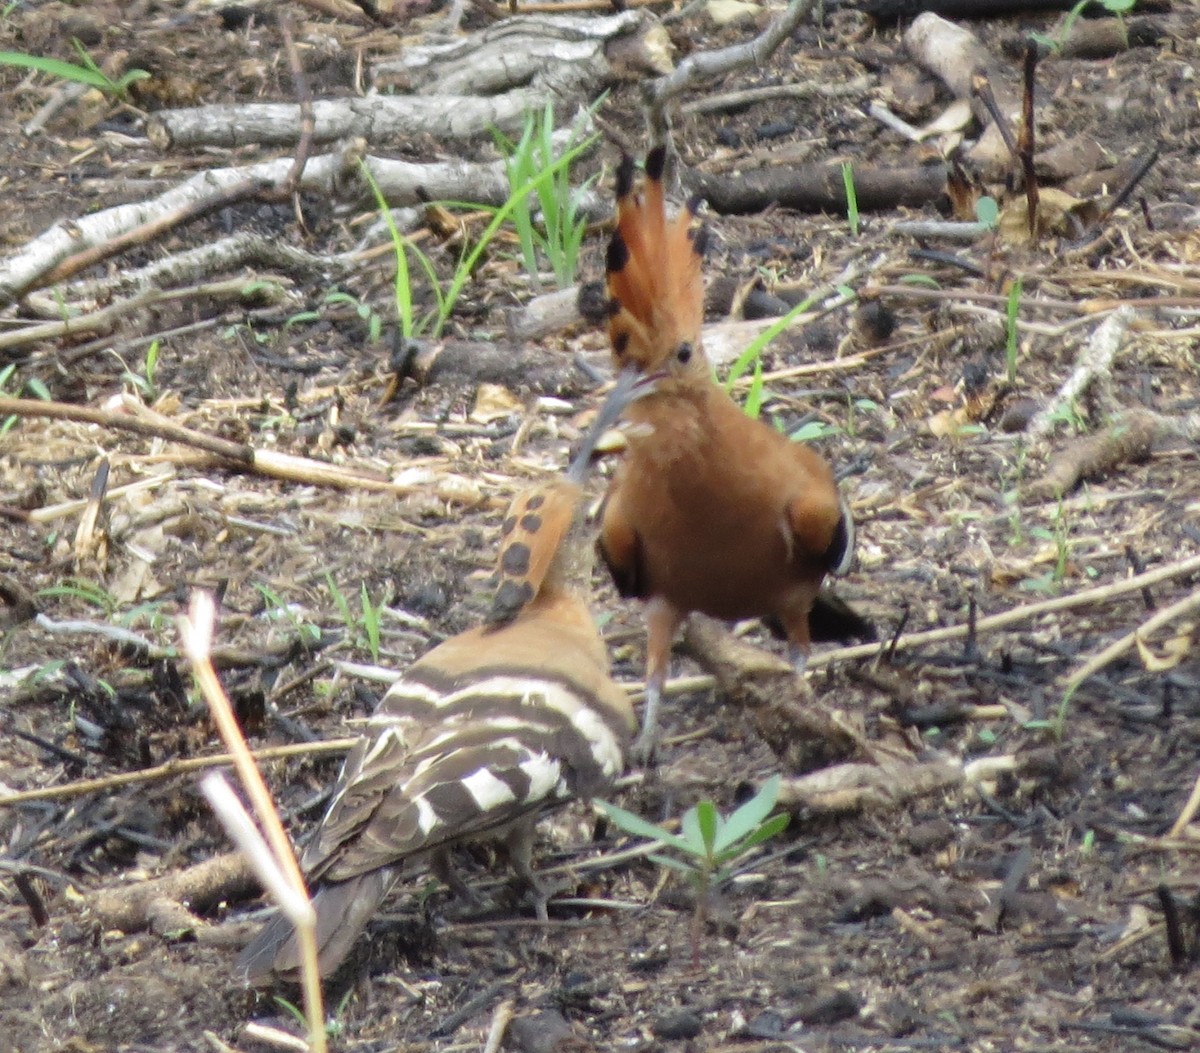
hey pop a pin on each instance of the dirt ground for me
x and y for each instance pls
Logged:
(1021, 912)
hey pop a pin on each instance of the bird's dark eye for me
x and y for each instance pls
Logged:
(684, 353)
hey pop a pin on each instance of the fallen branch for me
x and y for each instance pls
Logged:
(1129, 438)
(129, 908)
(704, 66)
(820, 188)
(1095, 366)
(800, 730)
(142, 421)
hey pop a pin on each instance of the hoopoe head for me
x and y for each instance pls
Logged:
(655, 285)
(545, 549)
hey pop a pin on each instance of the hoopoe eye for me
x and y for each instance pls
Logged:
(683, 353)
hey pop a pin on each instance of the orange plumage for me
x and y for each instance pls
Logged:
(710, 510)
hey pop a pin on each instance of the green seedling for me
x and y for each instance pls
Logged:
(1011, 309)
(446, 299)
(813, 431)
(144, 381)
(362, 631)
(370, 622)
(365, 312)
(278, 610)
(708, 844)
(86, 72)
(528, 161)
(93, 595)
(1055, 42)
(754, 350)
(851, 197)
(32, 386)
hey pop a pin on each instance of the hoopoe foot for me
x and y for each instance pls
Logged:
(542, 890)
(644, 751)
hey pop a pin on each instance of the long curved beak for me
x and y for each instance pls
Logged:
(630, 386)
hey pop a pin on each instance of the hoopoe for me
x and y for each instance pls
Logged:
(478, 739)
(710, 510)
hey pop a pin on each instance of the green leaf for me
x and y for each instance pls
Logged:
(775, 825)
(639, 827)
(689, 826)
(754, 397)
(749, 815)
(709, 823)
(987, 212)
(671, 863)
(56, 68)
(759, 344)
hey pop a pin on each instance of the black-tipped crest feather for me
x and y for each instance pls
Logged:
(542, 522)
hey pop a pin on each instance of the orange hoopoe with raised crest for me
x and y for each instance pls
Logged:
(478, 738)
(710, 510)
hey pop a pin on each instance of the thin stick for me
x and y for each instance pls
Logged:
(501, 1017)
(1015, 616)
(168, 769)
(1118, 647)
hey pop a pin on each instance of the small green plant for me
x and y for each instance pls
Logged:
(363, 630)
(758, 345)
(851, 197)
(813, 431)
(1068, 413)
(144, 381)
(365, 312)
(278, 610)
(1055, 42)
(1060, 535)
(528, 162)
(853, 408)
(334, 1024)
(1011, 309)
(86, 72)
(86, 591)
(708, 844)
(447, 298)
(370, 622)
(32, 386)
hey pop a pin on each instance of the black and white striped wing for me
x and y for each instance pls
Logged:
(446, 760)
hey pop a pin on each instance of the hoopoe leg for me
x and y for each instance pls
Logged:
(519, 842)
(799, 639)
(662, 622)
(443, 869)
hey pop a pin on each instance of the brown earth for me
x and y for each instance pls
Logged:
(1025, 912)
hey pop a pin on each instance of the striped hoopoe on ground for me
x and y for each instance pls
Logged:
(478, 738)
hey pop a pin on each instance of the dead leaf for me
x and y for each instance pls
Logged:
(1059, 213)
(494, 402)
(1169, 653)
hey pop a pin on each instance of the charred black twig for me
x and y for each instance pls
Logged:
(1026, 144)
(981, 88)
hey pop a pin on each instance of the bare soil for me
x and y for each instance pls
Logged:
(1023, 914)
